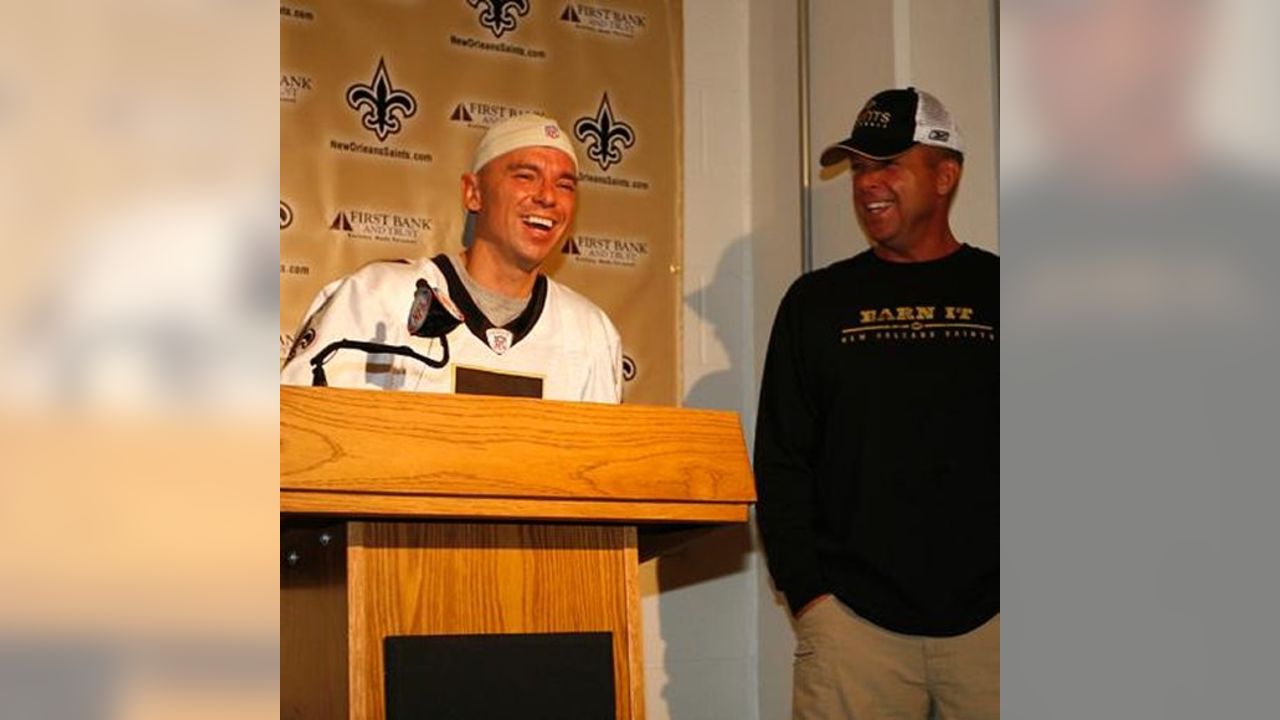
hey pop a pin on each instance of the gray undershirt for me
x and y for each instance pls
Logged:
(500, 309)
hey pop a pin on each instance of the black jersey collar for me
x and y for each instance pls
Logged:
(477, 322)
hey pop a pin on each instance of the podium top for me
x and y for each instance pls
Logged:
(369, 453)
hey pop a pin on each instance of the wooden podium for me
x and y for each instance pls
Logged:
(417, 514)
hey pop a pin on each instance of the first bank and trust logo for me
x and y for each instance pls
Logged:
(292, 86)
(605, 136)
(598, 250)
(382, 106)
(604, 20)
(500, 16)
(484, 114)
(381, 226)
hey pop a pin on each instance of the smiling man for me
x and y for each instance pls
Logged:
(876, 453)
(486, 321)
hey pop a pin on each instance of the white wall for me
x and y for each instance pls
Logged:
(698, 604)
(776, 252)
(708, 610)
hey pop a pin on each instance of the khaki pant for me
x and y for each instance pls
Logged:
(847, 668)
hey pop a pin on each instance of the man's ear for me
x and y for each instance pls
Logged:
(948, 176)
(471, 192)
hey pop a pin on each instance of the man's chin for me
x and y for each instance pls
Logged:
(875, 238)
(531, 259)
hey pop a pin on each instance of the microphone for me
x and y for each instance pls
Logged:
(431, 315)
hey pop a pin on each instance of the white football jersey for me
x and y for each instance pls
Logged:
(562, 347)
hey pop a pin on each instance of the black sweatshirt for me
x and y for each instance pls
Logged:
(877, 441)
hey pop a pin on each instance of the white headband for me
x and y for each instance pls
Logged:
(518, 132)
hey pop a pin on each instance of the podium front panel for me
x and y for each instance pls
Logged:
(534, 676)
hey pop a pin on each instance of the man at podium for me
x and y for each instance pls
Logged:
(485, 321)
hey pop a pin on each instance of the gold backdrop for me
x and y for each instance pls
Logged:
(383, 101)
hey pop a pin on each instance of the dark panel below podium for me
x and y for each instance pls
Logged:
(542, 676)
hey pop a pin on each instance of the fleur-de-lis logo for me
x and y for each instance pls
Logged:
(381, 103)
(500, 15)
(605, 137)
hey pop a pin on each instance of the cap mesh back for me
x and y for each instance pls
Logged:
(931, 114)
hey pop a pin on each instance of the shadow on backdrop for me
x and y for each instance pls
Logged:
(723, 305)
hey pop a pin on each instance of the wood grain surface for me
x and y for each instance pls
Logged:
(476, 508)
(461, 578)
(385, 462)
(416, 443)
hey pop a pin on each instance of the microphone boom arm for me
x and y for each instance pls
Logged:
(318, 378)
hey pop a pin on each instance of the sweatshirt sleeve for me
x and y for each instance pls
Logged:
(787, 436)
